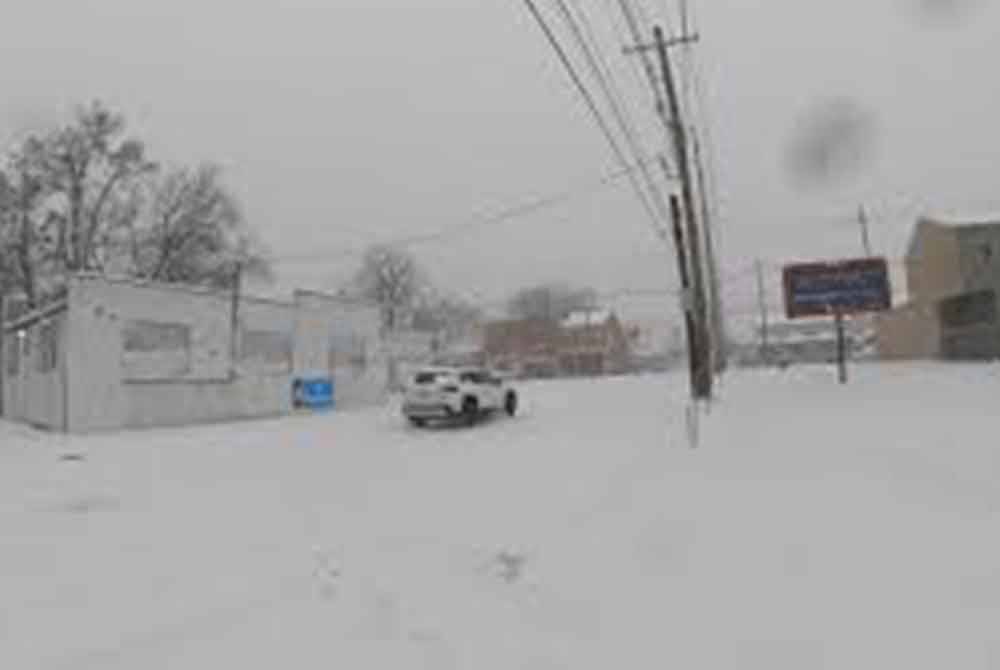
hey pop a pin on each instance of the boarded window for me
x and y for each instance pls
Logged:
(155, 350)
(266, 352)
(47, 358)
(969, 309)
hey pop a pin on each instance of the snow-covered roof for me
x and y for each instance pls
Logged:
(594, 317)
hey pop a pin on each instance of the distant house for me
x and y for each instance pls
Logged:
(594, 343)
(529, 347)
(953, 277)
(584, 343)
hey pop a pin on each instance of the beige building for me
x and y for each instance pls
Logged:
(945, 263)
(120, 354)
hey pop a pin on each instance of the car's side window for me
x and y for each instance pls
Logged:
(479, 377)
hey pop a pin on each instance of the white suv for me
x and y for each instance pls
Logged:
(457, 393)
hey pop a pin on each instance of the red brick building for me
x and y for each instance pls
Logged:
(585, 343)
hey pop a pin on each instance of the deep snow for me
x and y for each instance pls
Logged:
(816, 526)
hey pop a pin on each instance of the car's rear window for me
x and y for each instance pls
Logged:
(428, 377)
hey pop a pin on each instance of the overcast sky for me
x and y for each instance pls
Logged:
(342, 123)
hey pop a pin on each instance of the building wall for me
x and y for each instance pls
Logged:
(108, 390)
(341, 339)
(33, 380)
(934, 264)
(979, 256)
(911, 331)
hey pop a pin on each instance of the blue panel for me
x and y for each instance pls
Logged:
(850, 286)
(313, 393)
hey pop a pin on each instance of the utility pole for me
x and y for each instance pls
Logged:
(703, 376)
(762, 304)
(865, 240)
(720, 356)
(686, 301)
(234, 320)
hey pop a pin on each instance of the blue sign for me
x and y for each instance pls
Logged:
(815, 289)
(313, 393)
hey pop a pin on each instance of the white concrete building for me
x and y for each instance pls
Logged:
(121, 354)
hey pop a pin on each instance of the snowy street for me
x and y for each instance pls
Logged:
(815, 526)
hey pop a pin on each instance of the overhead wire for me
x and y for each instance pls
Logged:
(506, 215)
(594, 109)
(585, 36)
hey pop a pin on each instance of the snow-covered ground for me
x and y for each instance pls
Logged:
(816, 526)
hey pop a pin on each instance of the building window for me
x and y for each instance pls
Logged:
(266, 352)
(47, 358)
(155, 350)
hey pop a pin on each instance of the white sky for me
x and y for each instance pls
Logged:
(345, 122)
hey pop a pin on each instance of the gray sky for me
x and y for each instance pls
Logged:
(346, 122)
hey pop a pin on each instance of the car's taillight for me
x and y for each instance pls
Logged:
(449, 389)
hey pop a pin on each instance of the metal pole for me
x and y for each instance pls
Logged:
(234, 321)
(866, 243)
(762, 304)
(841, 347)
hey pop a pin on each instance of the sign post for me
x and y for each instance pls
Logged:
(842, 288)
(838, 318)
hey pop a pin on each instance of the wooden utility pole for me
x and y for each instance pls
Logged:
(703, 375)
(863, 222)
(762, 305)
(720, 355)
(686, 301)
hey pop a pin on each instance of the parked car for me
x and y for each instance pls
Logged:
(465, 394)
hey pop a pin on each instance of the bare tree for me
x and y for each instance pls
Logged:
(86, 198)
(550, 302)
(92, 169)
(23, 244)
(195, 232)
(391, 279)
(446, 316)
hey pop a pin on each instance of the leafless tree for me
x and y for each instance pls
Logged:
(92, 168)
(550, 302)
(85, 197)
(24, 246)
(390, 278)
(195, 232)
(446, 316)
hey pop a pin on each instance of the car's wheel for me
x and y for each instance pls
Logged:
(510, 404)
(470, 410)
(417, 422)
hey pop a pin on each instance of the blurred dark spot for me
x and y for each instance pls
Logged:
(72, 458)
(946, 12)
(834, 140)
(510, 566)
(87, 504)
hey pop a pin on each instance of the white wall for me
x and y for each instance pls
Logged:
(323, 320)
(100, 396)
(105, 393)
(35, 395)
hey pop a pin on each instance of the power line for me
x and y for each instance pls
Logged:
(605, 79)
(507, 215)
(594, 110)
(632, 25)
